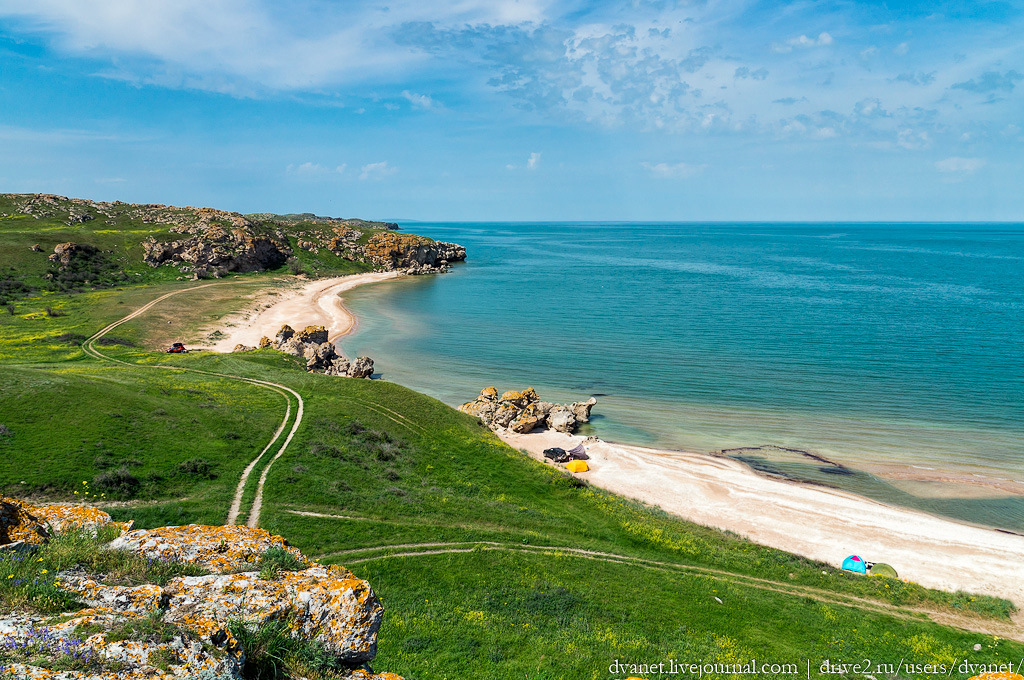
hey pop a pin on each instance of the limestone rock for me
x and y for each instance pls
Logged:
(340, 367)
(362, 367)
(561, 419)
(581, 409)
(415, 254)
(243, 348)
(284, 334)
(293, 346)
(64, 253)
(183, 656)
(265, 342)
(214, 548)
(523, 411)
(62, 518)
(313, 334)
(529, 418)
(18, 523)
(323, 603)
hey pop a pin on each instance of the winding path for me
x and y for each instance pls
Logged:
(89, 347)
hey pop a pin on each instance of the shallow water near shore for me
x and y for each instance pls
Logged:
(891, 350)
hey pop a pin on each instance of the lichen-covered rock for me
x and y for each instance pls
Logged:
(284, 334)
(135, 599)
(362, 367)
(19, 523)
(181, 656)
(62, 518)
(524, 411)
(416, 254)
(313, 335)
(530, 417)
(218, 549)
(320, 357)
(326, 604)
(265, 342)
(293, 346)
(243, 348)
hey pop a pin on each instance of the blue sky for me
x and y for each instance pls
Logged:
(521, 109)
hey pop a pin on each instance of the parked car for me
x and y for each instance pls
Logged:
(177, 348)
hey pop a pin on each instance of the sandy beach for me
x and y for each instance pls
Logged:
(814, 521)
(312, 303)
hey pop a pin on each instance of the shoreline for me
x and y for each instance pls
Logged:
(814, 521)
(315, 302)
(810, 520)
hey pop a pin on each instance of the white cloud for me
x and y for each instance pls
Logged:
(310, 169)
(901, 49)
(802, 42)
(673, 170)
(958, 165)
(242, 47)
(420, 101)
(531, 163)
(376, 171)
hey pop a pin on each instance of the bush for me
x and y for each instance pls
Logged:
(10, 308)
(276, 559)
(50, 311)
(271, 652)
(119, 482)
(5, 431)
(71, 338)
(196, 467)
(108, 342)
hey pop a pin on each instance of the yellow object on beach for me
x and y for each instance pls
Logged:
(576, 466)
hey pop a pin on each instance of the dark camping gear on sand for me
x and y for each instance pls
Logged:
(578, 453)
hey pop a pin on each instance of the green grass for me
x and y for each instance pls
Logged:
(397, 467)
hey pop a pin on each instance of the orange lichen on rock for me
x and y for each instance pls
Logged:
(18, 522)
(326, 604)
(220, 549)
(134, 599)
(61, 518)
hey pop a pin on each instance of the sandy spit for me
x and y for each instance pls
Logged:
(817, 522)
(312, 303)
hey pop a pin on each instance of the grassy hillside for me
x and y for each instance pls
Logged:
(32, 225)
(490, 564)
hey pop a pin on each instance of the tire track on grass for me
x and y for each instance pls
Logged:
(1007, 630)
(89, 347)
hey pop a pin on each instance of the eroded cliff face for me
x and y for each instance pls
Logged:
(195, 615)
(413, 253)
(210, 242)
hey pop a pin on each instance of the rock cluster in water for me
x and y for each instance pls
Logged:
(321, 355)
(523, 411)
(324, 604)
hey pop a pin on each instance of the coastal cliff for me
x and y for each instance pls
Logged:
(206, 242)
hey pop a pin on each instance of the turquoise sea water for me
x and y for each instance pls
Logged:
(892, 348)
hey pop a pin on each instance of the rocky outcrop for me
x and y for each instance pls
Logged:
(321, 355)
(18, 524)
(525, 411)
(412, 253)
(183, 629)
(66, 253)
(219, 243)
(217, 549)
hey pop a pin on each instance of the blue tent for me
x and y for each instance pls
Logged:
(855, 563)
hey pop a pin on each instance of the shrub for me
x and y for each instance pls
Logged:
(108, 342)
(196, 467)
(271, 652)
(276, 559)
(5, 431)
(50, 311)
(10, 308)
(119, 482)
(295, 266)
(71, 338)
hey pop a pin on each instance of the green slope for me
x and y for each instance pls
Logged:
(490, 564)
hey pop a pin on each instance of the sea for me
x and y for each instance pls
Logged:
(883, 359)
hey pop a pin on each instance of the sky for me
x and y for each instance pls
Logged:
(453, 110)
